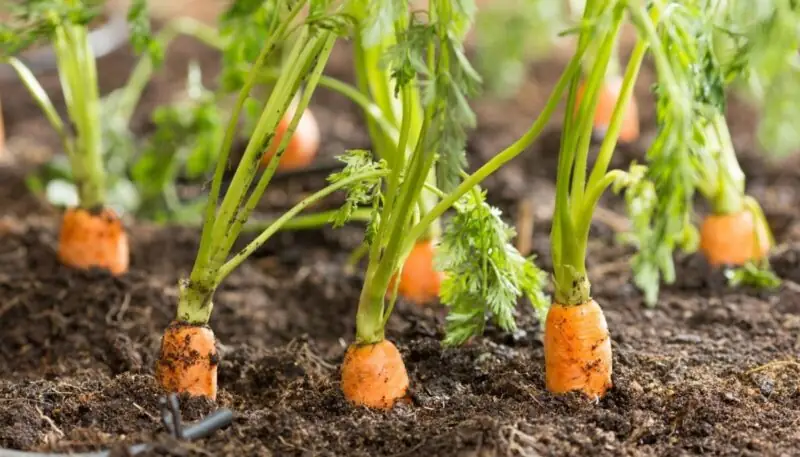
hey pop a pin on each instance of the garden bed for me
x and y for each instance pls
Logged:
(708, 371)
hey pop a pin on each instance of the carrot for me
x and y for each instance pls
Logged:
(577, 350)
(93, 239)
(302, 146)
(374, 375)
(607, 99)
(419, 281)
(188, 360)
(733, 239)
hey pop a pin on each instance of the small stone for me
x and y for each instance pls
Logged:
(685, 338)
(730, 398)
(767, 386)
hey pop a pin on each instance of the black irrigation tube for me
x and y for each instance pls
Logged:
(171, 418)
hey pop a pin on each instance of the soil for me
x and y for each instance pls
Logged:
(710, 371)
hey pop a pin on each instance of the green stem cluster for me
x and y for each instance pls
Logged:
(723, 183)
(375, 83)
(225, 220)
(393, 245)
(82, 140)
(577, 198)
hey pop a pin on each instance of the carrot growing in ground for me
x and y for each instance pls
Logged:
(701, 157)
(577, 342)
(92, 235)
(757, 48)
(188, 359)
(736, 232)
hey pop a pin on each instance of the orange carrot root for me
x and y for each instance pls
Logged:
(374, 375)
(188, 360)
(577, 350)
(93, 239)
(606, 101)
(419, 281)
(733, 239)
(303, 145)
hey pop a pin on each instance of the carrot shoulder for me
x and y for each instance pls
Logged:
(419, 280)
(188, 360)
(577, 350)
(733, 239)
(93, 239)
(303, 145)
(374, 375)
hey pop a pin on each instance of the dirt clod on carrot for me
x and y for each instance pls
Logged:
(577, 350)
(374, 375)
(188, 360)
(606, 101)
(302, 147)
(419, 281)
(93, 239)
(733, 239)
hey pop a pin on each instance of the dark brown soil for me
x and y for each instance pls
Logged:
(709, 371)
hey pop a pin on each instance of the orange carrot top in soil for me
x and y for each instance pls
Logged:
(577, 343)
(301, 147)
(188, 360)
(93, 239)
(736, 232)
(419, 279)
(91, 234)
(374, 375)
(733, 239)
(577, 350)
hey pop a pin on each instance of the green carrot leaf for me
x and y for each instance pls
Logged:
(142, 34)
(35, 21)
(361, 193)
(378, 17)
(757, 275)
(758, 43)
(484, 273)
(661, 211)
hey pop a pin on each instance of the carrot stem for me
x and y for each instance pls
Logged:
(725, 178)
(78, 75)
(237, 259)
(503, 157)
(308, 221)
(203, 255)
